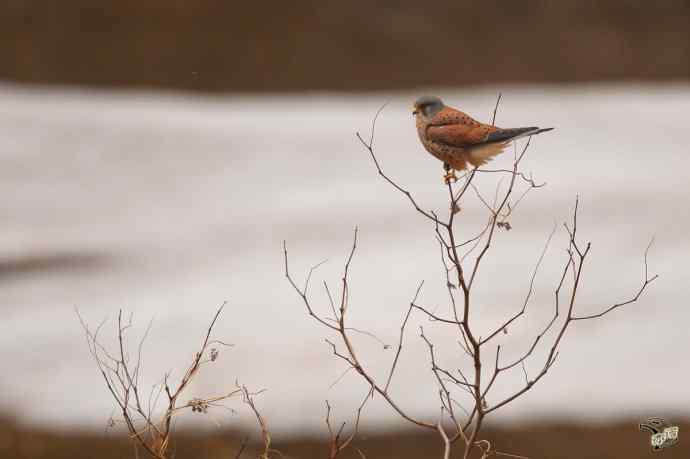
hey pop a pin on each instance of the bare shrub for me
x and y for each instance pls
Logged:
(462, 262)
(148, 427)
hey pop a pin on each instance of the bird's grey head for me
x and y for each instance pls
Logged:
(427, 106)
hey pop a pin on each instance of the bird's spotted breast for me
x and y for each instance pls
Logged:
(445, 153)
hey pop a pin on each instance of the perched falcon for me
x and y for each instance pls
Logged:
(456, 139)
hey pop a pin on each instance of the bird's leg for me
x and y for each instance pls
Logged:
(449, 176)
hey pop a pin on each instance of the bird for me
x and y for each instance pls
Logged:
(458, 139)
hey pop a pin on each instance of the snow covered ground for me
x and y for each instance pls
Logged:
(167, 205)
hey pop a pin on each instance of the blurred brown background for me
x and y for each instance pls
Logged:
(217, 45)
(553, 440)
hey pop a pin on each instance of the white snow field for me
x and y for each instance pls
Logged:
(166, 205)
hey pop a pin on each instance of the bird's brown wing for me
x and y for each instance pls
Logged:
(455, 128)
(479, 142)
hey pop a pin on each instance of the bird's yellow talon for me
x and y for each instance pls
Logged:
(450, 177)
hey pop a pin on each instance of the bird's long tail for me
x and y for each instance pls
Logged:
(502, 135)
(497, 141)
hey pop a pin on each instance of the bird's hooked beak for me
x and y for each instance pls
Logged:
(414, 111)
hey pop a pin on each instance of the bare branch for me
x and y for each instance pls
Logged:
(265, 432)
(342, 329)
(370, 147)
(498, 101)
(505, 325)
(303, 293)
(647, 280)
(446, 441)
(400, 340)
(243, 446)
(337, 442)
